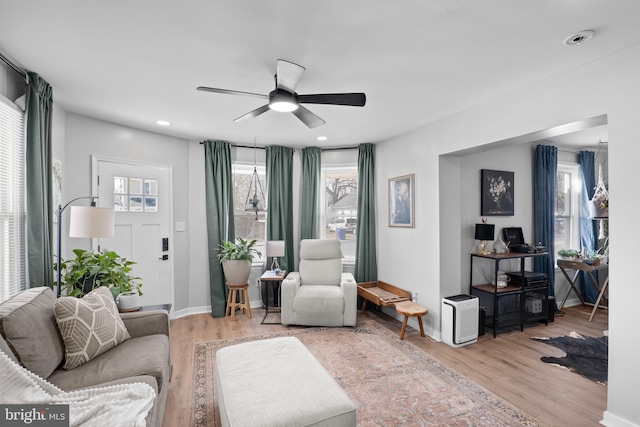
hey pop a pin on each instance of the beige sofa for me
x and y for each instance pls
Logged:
(29, 335)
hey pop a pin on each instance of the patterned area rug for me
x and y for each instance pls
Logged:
(391, 382)
(587, 356)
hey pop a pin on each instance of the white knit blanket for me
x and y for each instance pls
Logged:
(115, 405)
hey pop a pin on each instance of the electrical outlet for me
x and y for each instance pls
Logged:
(257, 282)
(415, 297)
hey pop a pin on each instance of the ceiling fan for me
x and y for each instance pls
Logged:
(285, 99)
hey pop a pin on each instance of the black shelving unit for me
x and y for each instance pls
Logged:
(514, 313)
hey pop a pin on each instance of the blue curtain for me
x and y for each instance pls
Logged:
(39, 186)
(587, 226)
(366, 268)
(280, 200)
(310, 202)
(220, 222)
(545, 182)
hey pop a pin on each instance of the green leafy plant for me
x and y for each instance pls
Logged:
(569, 253)
(89, 270)
(243, 250)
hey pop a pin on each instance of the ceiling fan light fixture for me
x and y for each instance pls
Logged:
(282, 101)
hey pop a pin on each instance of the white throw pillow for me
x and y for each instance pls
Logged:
(89, 326)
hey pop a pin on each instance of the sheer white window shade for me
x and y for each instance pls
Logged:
(13, 271)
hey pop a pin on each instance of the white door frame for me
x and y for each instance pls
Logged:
(95, 159)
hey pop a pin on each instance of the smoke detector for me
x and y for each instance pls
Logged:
(578, 38)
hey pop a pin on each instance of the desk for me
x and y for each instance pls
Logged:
(272, 281)
(493, 294)
(579, 266)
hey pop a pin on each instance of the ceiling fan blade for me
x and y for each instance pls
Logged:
(288, 75)
(254, 113)
(308, 118)
(231, 92)
(352, 99)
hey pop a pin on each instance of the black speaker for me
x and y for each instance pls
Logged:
(551, 309)
(482, 313)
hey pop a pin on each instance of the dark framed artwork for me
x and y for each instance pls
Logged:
(401, 194)
(496, 193)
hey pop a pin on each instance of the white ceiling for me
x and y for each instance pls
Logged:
(134, 62)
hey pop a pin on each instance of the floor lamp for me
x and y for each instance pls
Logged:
(84, 221)
(275, 248)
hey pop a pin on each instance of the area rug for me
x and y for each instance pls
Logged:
(587, 356)
(392, 382)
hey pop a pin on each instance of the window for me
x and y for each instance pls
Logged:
(128, 194)
(247, 225)
(568, 207)
(13, 275)
(340, 207)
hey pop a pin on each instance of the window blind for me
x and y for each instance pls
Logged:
(12, 205)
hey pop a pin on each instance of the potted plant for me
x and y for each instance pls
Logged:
(89, 269)
(236, 259)
(571, 254)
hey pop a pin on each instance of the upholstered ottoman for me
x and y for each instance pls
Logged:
(278, 382)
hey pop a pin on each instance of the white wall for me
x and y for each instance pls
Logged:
(85, 137)
(420, 258)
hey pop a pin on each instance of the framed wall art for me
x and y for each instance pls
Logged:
(497, 196)
(401, 201)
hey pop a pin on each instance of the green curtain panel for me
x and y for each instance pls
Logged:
(39, 182)
(280, 200)
(220, 225)
(366, 268)
(310, 203)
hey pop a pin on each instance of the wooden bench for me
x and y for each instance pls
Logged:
(384, 294)
(381, 294)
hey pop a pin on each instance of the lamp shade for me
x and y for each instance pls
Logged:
(484, 231)
(90, 221)
(275, 248)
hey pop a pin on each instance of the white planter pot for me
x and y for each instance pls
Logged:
(236, 271)
(128, 301)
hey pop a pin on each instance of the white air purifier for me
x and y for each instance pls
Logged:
(460, 320)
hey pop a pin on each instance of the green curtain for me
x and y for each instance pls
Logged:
(220, 225)
(366, 268)
(280, 200)
(39, 182)
(310, 203)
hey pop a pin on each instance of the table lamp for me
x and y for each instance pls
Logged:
(275, 248)
(484, 232)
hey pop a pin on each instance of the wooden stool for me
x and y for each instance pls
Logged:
(409, 308)
(243, 288)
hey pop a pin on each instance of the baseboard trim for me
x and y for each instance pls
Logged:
(207, 309)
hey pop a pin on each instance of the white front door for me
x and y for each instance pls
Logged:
(141, 197)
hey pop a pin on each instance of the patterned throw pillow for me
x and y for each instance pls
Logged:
(89, 326)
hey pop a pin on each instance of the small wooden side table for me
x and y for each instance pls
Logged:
(411, 309)
(243, 290)
(272, 281)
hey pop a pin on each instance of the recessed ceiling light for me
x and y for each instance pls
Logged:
(163, 122)
(578, 38)
(321, 138)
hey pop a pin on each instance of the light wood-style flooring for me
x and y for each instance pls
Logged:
(508, 365)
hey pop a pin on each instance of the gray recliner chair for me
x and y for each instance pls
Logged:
(320, 294)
